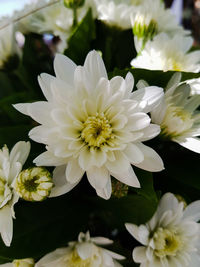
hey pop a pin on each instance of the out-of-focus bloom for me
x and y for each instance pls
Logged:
(8, 45)
(151, 18)
(171, 237)
(165, 53)
(33, 184)
(29, 262)
(194, 85)
(84, 252)
(178, 116)
(94, 125)
(10, 166)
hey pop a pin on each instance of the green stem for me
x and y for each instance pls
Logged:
(75, 21)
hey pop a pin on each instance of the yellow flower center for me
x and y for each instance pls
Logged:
(167, 242)
(176, 122)
(96, 131)
(76, 261)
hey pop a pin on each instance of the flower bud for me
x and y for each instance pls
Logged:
(74, 3)
(34, 184)
(23, 263)
(119, 189)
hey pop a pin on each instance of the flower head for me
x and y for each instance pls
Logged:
(81, 253)
(171, 237)
(10, 166)
(178, 115)
(28, 262)
(33, 184)
(94, 125)
(165, 53)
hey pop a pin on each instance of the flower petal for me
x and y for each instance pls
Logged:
(133, 153)
(190, 143)
(20, 152)
(48, 159)
(6, 225)
(98, 177)
(74, 171)
(193, 211)
(106, 191)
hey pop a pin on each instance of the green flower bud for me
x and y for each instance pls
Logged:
(74, 3)
(119, 189)
(34, 184)
(23, 263)
(145, 28)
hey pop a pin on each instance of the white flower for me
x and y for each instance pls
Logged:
(153, 13)
(29, 262)
(85, 252)
(10, 166)
(171, 238)
(165, 53)
(93, 125)
(115, 12)
(178, 116)
(8, 45)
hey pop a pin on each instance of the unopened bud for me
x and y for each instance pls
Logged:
(74, 3)
(34, 184)
(119, 189)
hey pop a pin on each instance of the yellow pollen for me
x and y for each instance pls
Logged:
(76, 261)
(167, 242)
(96, 131)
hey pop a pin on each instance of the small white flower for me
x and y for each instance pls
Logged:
(8, 45)
(178, 116)
(94, 125)
(84, 252)
(115, 13)
(171, 237)
(165, 53)
(10, 166)
(29, 262)
(33, 184)
(151, 17)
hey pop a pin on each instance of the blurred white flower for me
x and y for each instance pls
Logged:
(94, 125)
(115, 12)
(165, 53)
(84, 252)
(8, 45)
(33, 184)
(178, 116)
(10, 166)
(29, 262)
(194, 85)
(151, 18)
(171, 237)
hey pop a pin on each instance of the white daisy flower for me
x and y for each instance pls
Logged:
(171, 237)
(10, 166)
(29, 262)
(151, 18)
(165, 53)
(178, 116)
(115, 13)
(84, 252)
(8, 45)
(94, 125)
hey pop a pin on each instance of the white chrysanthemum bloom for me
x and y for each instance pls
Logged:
(57, 20)
(8, 45)
(84, 252)
(178, 116)
(29, 262)
(93, 125)
(10, 166)
(151, 18)
(171, 237)
(115, 13)
(165, 53)
(33, 184)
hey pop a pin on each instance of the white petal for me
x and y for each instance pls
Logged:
(140, 233)
(138, 121)
(20, 152)
(114, 255)
(64, 68)
(74, 171)
(45, 83)
(106, 191)
(152, 161)
(85, 250)
(133, 153)
(193, 211)
(60, 182)
(95, 67)
(139, 254)
(150, 132)
(6, 225)
(40, 112)
(22, 107)
(48, 159)
(101, 240)
(98, 177)
(190, 143)
(129, 79)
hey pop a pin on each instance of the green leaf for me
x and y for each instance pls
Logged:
(79, 43)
